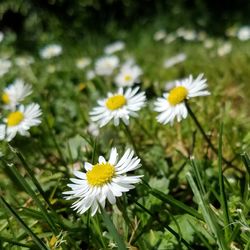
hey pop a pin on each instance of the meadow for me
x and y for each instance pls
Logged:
(191, 187)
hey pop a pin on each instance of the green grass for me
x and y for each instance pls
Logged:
(202, 203)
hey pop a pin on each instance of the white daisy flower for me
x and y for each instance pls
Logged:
(93, 129)
(172, 104)
(120, 105)
(51, 50)
(105, 66)
(128, 75)
(1, 36)
(159, 35)
(186, 34)
(24, 61)
(83, 62)
(5, 65)
(90, 74)
(224, 49)
(208, 43)
(244, 33)
(15, 93)
(20, 121)
(170, 62)
(170, 38)
(104, 180)
(114, 47)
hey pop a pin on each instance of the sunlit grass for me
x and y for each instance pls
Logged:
(194, 191)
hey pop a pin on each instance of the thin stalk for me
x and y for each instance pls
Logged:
(26, 228)
(223, 199)
(129, 134)
(172, 231)
(207, 139)
(172, 201)
(13, 242)
(207, 214)
(55, 142)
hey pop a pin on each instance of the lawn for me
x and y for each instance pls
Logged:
(191, 188)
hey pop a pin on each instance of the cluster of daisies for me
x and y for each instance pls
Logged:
(18, 118)
(107, 180)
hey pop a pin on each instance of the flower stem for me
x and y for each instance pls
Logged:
(128, 133)
(207, 139)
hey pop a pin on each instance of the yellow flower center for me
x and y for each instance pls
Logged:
(100, 174)
(116, 102)
(128, 78)
(177, 95)
(14, 118)
(5, 98)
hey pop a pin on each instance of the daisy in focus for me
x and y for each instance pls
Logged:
(120, 105)
(105, 66)
(50, 51)
(128, 75)
(20, 121)
(103, 181)
(15, 93)
(172, 104)
(114, 47)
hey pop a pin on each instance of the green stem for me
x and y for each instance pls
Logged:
(178, 237)
(129, 134)
(207, 139)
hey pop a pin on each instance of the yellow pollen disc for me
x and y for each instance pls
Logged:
(116, 102)
(5, 98)
(128, 78)
(14, 118)
(100, 174)
(177, 95)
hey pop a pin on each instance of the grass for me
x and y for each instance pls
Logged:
(194, 193)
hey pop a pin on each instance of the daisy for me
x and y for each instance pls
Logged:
(104, 180)
(1, 36)
(20, 121)
(114, 47)
(172, 104)
(83, 62)
(160, 35)
(51, 50)
(170, 62)
(120, 105)
(244, 33)
(90, 74)
(5, 65)
(128, 75)
(106, 65)
(224, 49)
(93, 129)
(15, 93)
(24, 61)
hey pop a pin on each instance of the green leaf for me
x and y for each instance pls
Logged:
(113, 231)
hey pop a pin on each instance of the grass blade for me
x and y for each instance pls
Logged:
(30, 191)
(207, 214)
(12, 211)
(113, 231)
(172, 201)
(13, 242)
(223, 199)
(246, 161)
(172, 231)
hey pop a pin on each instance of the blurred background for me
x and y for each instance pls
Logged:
(45, 20)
